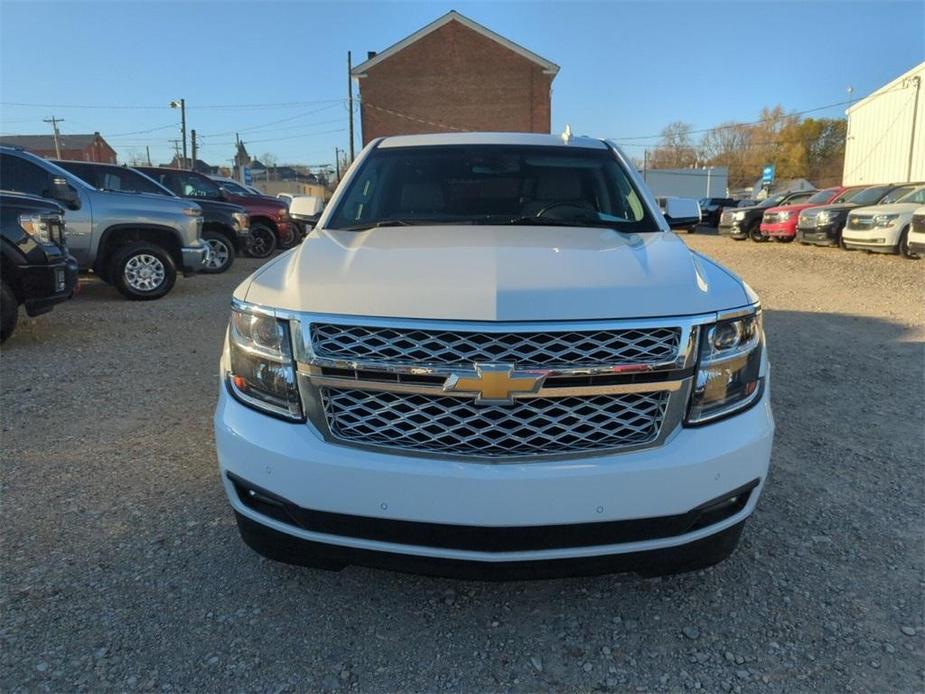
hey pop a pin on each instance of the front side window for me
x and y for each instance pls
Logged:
(917, 196)
(23, 176)
(492, 184)
(128, 181)
(895, 194)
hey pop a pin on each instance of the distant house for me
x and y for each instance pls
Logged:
(73, 147)
(200, 166)
(454, 75)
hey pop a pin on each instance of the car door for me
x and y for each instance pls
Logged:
(19, 174)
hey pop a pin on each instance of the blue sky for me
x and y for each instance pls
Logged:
(628, 68)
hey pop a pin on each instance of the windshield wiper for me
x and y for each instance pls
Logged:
(418, 221)
(526, 220)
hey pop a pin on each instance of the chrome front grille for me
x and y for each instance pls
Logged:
(726, 218)
(523, 349)
(860, 222)
(529, 427)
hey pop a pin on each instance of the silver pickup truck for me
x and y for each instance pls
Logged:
(136, 242)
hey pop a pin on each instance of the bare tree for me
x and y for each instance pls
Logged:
(676, 149)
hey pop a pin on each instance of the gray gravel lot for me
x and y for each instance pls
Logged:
(122, 568)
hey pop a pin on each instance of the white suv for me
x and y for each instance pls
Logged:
(492, 357)
(885, 227)
(916, 238)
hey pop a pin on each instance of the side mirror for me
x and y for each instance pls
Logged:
(681, 213)
(65, 193)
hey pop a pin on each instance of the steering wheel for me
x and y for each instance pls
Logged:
(561, 203)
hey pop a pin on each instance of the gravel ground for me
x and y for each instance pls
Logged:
(122, 567)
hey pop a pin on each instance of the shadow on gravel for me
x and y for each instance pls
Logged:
(121, 543)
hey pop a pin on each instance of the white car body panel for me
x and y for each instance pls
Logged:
(917, 237)
(503, 273)
(882, 237)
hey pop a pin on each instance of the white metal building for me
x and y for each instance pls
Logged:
(688, 183)
(886, 133)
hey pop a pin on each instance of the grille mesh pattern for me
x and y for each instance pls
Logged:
(585, 348)
(531, 426)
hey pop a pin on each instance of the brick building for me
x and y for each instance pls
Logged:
(73, 147)
(454, 75)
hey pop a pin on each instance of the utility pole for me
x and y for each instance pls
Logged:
(337, 162)
(181, 104)
(915, 113)
(350, 100)
(193, 143)
(176, 149)
(148, 152)
(54, 125)
(645, 164)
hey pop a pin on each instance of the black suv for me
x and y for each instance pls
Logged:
(37, 271)
(711, 208)
(224, 226)
(745, 222)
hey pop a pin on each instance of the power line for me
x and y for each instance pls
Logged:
(272, 123)
(282, 104)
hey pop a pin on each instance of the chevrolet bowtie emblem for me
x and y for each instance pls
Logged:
(495, 383)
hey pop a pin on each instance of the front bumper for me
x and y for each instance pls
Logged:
(733, 230)
(503, 514)
(243, 239)
(779, 229)
(916, 246)
(876, 240)
(194, 258)
(43, 286)
(821, 236)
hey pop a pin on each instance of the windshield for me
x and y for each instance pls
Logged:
(127, 181)
(494, 184)
(233, 187)
(916, 196)
(822, 196)
(869, 196)
(772, 201)
(849, 194)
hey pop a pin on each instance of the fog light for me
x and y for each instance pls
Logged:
(60, 280)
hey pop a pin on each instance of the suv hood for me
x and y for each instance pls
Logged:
(893, 208)
(494, 273)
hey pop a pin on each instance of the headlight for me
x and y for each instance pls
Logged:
(885, 220)
(192, 211)
(261, 371)
(241, 220)
(783, 216)
(38, 226)
(738, 216)
(823, 218)
(284, 214)
(728, 369)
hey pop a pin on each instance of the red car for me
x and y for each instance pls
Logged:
(780, 223)
(269, 218)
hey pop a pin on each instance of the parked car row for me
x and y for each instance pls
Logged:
(872, 218)
(134, 228)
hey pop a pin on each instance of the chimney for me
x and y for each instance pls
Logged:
(370, 55)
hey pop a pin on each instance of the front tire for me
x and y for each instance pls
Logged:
(9, 311)
(222, 257)
(904, 246)
(754, 233)
(143, 271)
(263, 241)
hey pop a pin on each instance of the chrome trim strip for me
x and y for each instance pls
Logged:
(438, 390)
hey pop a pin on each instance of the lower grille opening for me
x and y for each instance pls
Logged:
(492, 538)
